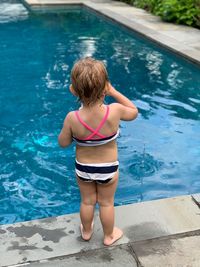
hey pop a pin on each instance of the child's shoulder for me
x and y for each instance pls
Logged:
(70, 117)
(125, 113)
(70, 114)
(115, 107)
(114, 110)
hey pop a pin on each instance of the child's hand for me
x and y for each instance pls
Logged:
(110, 90)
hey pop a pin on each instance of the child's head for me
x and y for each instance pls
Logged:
(89, 78)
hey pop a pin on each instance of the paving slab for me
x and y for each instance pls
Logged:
(163, 217)
(181, 252)
(115, 256)
(60, 236)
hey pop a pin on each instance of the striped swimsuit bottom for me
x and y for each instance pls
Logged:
(101, 173)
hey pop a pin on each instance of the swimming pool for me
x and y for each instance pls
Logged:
(159, 152)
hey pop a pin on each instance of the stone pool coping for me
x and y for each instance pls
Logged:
(156, 233)
(182, 40)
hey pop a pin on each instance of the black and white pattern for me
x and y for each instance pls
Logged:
(99, 171)
(96, 142)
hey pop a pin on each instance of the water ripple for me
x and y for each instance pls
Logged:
(171, 102)
(144, 165)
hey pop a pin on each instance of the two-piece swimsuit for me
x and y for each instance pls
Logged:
(100, 172)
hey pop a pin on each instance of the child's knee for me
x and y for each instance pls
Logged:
(105, 202)
(90, 201)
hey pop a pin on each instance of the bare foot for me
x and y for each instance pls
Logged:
(86, 235)
(117, 234)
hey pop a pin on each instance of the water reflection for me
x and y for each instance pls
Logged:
(12, 12)
(87, 46)
(154, 63)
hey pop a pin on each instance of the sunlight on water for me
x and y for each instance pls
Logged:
(12, 12)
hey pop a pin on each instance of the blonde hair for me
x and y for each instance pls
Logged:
(89, 78)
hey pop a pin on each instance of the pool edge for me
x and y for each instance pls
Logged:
(163, 40)
(57, 237)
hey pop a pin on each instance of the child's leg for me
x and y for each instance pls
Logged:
(105, 198)
(88, 197)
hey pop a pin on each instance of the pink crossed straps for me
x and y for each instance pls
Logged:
(94, 131)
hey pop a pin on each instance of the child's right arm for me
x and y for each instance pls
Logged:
(65, 136)
(128, 111)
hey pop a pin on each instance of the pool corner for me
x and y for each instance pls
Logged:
(179, 39)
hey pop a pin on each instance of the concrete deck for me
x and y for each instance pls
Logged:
(181, 39)
(156, 233)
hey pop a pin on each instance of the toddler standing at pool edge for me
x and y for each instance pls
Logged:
(95, 128)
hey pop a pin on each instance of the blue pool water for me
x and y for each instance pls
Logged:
(159, 153)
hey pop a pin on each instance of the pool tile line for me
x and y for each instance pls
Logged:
(179, 39)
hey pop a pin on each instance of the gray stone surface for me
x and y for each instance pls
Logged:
(196, 198)
(181, 252)
(114, 256)
(43, 239)
(60, 236)
(147, 220)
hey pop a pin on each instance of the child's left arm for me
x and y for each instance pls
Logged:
(65, 136)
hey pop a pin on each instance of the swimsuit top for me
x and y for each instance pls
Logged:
(89, 140)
